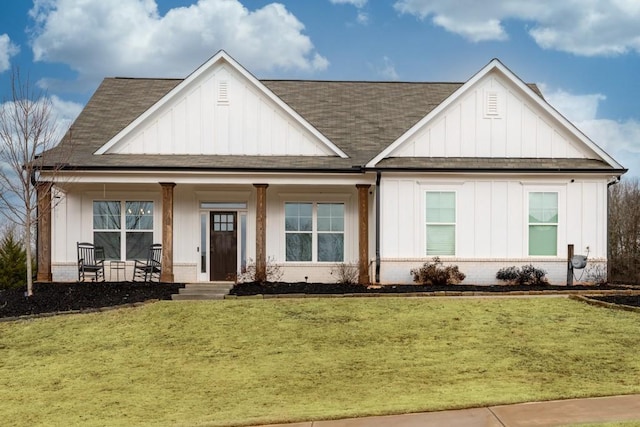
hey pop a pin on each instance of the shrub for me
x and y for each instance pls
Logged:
(248, 274)
(525, 275)
(346, 274)
(436, 274)
(596, 274)
(13, 262)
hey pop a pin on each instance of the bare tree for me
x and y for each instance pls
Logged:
(624, 231)
(27, 129)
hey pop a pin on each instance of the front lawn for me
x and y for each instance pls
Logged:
(260, 361)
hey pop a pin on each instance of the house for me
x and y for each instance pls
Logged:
(224, 169)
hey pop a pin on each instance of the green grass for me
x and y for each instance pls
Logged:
(260, 361)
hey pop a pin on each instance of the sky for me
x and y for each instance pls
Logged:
(583, 54)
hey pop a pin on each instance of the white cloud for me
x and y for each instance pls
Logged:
(362, 17)
(620, 139)
(7, 50)
(388, 70)
(581, 27)
(64, 113)
(356, 3)
(577, 108)
(129, 37)
(385, 69)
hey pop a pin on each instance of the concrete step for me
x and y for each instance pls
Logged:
(203, 291)
(206, 287)
(185, 291)
(196, 297)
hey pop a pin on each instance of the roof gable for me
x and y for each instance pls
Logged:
(221, 109)
(494, 115)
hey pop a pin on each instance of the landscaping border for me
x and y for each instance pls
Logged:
(82, 311)
(567, 293)
(604, 304)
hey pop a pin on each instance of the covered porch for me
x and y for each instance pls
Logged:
(211, 229)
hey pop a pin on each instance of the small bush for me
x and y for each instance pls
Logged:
(248, 274)
(525, 275)
(346, 274)
(436, 274)
(596, 274)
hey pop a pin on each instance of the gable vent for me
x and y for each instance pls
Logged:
(492, 104)
(223, 92)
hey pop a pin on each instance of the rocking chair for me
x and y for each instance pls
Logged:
(149, 270)
(90, 262)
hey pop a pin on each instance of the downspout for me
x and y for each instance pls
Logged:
(378, 176)
(613, 181)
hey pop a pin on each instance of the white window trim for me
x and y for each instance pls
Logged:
(314, 232)
(123, 221)
(88, 197)
(242, 242)
(561, 190)
(317, 198)
(423, 216)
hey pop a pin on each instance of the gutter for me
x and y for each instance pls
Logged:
(378, 193)
(496, 170)
(354, 169)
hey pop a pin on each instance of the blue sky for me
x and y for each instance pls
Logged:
(584, 54)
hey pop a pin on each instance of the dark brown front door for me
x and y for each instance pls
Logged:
(224, 246)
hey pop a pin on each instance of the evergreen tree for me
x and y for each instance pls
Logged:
(13, 261)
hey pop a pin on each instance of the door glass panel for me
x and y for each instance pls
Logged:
(243, 241)
(203, 243)
(223, 205)
(223, 222)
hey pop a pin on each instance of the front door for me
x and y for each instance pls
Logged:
(224, 246)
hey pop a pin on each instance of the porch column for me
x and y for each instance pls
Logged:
(43, 190)
(166, 275)
(261, 232)
(363, 233)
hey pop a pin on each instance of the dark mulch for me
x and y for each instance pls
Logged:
(631, 300)
(271, 288)
(59, 297)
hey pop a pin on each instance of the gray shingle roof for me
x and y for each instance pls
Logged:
(361, 118)
(492, 164)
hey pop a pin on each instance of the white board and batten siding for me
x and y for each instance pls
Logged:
(221, 113)
(493, 118)
(491, 223)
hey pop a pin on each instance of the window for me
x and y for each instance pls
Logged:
(314, 232)
(543, 223)
(137, 235)
(330, 232)
(441, 222)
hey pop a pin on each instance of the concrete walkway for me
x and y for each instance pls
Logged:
(538, 414)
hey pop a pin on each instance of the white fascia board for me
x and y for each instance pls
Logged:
(495, 64)
(220, 56)
(226, 178)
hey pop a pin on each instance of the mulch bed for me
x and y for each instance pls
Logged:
(272, 288)
(631, 300)
(61, 297)
(65, 297)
